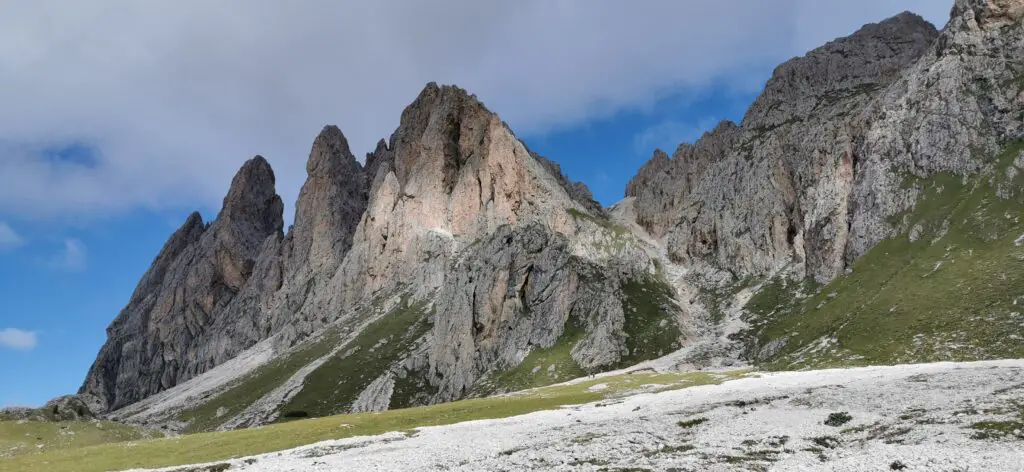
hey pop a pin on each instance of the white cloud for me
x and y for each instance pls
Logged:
(72, 257)
(175, 100)
(13, 338)
(8, 237)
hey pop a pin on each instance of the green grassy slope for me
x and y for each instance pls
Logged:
(540, 368)
(954, 292)
(650, 332)
(650, 327)
(254, 386)
(332, 387)
(212, 447)
(33, 437)
(244, 392)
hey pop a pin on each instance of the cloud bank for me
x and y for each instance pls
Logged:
(13, 338)
(114, 105)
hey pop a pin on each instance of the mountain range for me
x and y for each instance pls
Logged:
(866, 210)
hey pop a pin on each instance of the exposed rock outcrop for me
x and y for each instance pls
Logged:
(662, 185)
(153, 343)
(813, 171)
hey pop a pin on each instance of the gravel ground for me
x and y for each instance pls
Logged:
(911, 417)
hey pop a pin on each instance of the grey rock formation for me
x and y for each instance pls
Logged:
(662, 185)
(812, 174)
(154, 342)
(413, 221)
(63, 408)
(67, 408)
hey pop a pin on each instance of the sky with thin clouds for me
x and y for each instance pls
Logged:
(120, 117)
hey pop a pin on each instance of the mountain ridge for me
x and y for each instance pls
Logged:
(457, 262)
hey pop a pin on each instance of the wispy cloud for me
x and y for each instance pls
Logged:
(9, 238)
(14, 338)
(72, 257)
(667, 135)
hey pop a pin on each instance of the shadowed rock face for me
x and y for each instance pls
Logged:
(152, 343)
(216, 290)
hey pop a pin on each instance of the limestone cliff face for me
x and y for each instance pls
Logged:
(663, 184)
(462, 213)
(813, 173)
(216, 290)
(453, 173)
(412, 222)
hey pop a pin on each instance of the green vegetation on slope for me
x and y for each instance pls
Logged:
(540, 368)
(211, 447)
(33, 437)
(412, 390)
(252, 387)
(598, 220)
(651, 328)
(953, 291)
(332, 387)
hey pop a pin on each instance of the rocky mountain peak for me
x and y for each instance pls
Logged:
(444, 122)
(330, 153)
(252, 199)
(871, 58)
(663, 183)
(382, 157)
(330, 204)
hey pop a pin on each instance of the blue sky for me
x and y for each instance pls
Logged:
(121, 117)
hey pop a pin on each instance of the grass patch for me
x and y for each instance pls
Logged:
(335, 385)
(542, 367)
(412, 390)
(31, 437)
(689, 424)
(997, 429)
(954, 293)
(651, 329)
(213, 447)
(838, 419)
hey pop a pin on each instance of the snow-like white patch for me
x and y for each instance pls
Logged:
(904, 415)
(598, 387)
(1019, 240)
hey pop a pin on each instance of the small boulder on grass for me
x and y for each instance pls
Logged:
(838, 419)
